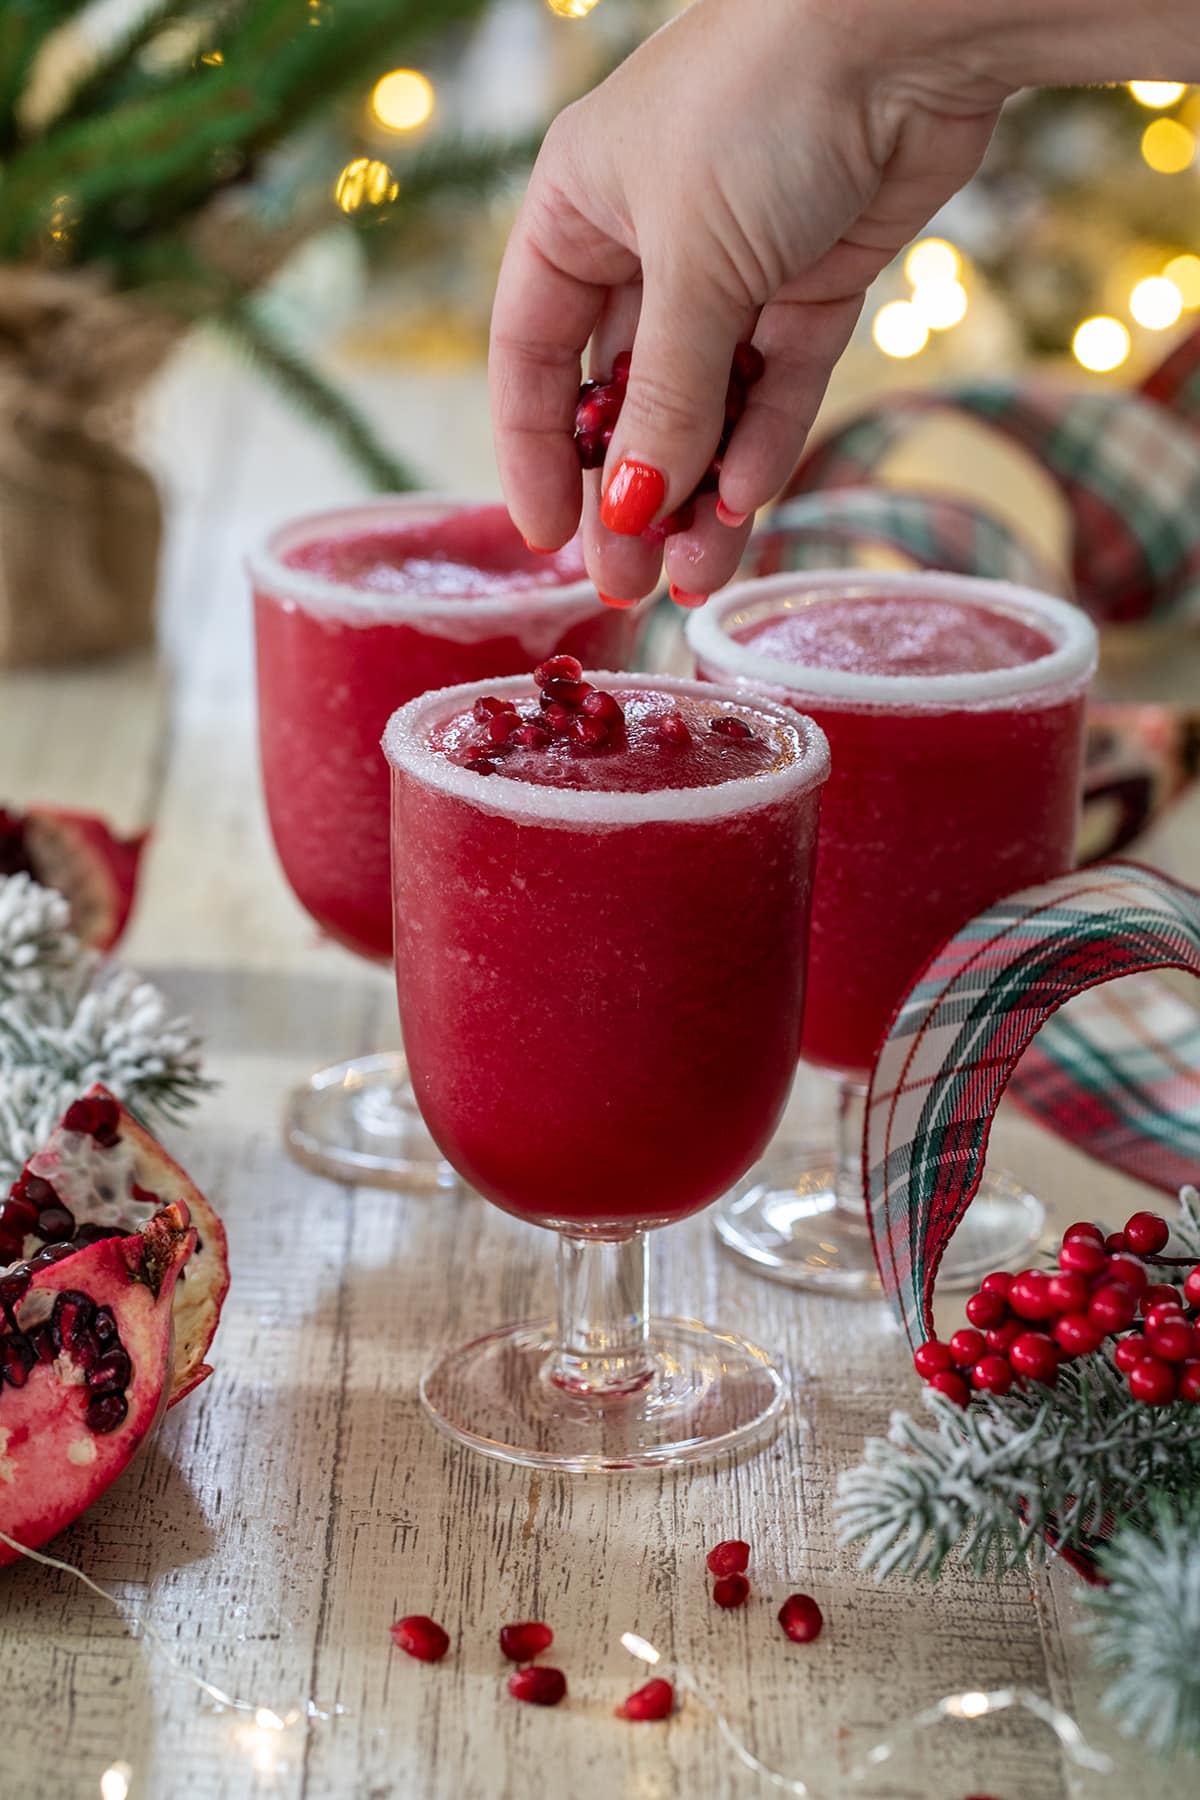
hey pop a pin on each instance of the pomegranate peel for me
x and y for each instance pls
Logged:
(77, 854)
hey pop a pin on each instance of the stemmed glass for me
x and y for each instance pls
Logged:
(600, 992)
(356, 611)
(947, 792)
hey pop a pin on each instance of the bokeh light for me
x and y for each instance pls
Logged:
(1156, 93)
(932, 259)
(940, 303)
(1184, 271)
(402, 100)
(899, 329)
(572, 9)
(1156, 302)
(1168, 146)
(365, 181)
(1101, 344)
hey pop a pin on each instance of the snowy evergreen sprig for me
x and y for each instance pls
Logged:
(69, 1019)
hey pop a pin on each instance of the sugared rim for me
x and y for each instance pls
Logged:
(406, 748)
(1072, 659)
(267, 569)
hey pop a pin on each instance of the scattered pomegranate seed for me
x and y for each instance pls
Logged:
(967, 1346)
(500, 727)
(538, 1685)
(731, 1591)
(726, 725)
(729, 1557)
(1146, 1233)
(556, 719)
(801, 1618)
(558, 668)
(656, 1700)
(562, 692)
(419, 1636)
(523, 1641)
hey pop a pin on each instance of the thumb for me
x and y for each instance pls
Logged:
(674, 408)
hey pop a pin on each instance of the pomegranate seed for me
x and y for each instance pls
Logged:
(1191, 1287)
(986, 1310)
(1152, 1381)
(557, 719)
(531, 737)
(656, 1700)
(1077, 1335)
(1035, 1356)
(562, 692)
(735, 403)
(501, 726)
(801, 1618)
(933, 1358)
(419, 1636)
(622, 363)
(480, 765)
(602, 706)
(1085, 1256)
(97, 1117)
(1069, 1292)
(539, 1685)
(488, 707)
(1115, 1242)
(952, 1385)
(727, 726)
(1130, 1350)
(1171, 1338)
(1189, 1381)
(525, 1640)
(729, 1557)
(1030, 1296)
(590, 733)
(672, 728)
(1146, 1233)
(1130, 1274)
(999, 1282)
(1160, 1293)
(1112, 1307)
(1083, 1228)
(1002, 1338)
(992, 1375)
(591, 448)
(967, 1346)
(748, 364)
(731, 1590)
(558, 668)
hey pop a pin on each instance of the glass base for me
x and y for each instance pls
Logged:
(711, 1392)
(783, 1219)
(358, 1122)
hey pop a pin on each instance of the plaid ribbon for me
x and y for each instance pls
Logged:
(1118, 1075)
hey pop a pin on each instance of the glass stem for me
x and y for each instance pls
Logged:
(603, 1304)
(848, 1156)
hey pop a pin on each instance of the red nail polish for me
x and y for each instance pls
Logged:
(726, 516)
(681, 597)
(611, 600)
(536, 549)
(632, 497)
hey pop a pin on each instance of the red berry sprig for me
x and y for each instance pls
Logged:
(1024, 1326)
(599, 407)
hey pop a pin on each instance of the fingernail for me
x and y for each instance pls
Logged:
(611, 600)
(726, 516)
(681, 597)
(536, 549)
(632, 497)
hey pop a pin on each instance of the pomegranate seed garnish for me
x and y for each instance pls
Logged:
(656, 1700)
(539, 1685)
(556, 719)
(731, 1591)
(602, 706)
(725, 725)
(672, 728)
(729, 1557)
(421, 1637)
(488, 707)
(1146, 1233)
(532, 737)
(590, 733)
(570, 694)
(558, 668)
(480, 765)
(525, 1640)
(501, 726)
(801, 1618)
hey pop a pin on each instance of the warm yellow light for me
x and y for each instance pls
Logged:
(402, 100)
(899, 329)
(365, 182)
(114, 1783)
(572, 9)
(1184, 271)
(1168, 146)
(1156, 302)
(1156, 93)
(940, 303)
(932, 259)
(1100, 344)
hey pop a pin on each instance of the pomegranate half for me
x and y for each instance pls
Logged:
(77, 854)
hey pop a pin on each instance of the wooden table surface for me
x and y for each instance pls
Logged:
(299, 1503)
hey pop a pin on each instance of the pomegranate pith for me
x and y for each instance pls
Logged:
(78, 855)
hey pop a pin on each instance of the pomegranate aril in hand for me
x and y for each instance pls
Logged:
(558, 668)
(986, 1310)
(1069, 1292)
(730, 1557)
(932, 1358)
(1146, 1233)
(992, 1375)
(952, 1385)
(525, 1640)
(1036, 1357)
(967, 1346)
(656, 1700)
(1153, 1381)
(539, 1686)
(420, 1636)
(731, 1591)
(801, 1618)
(1112, 1308)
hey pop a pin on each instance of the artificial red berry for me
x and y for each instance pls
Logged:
(539, 1685)
(729, 1557)
(992, 1375)
(1069, 1292)
(1083, 1229)
(931, 1359)
(986, 1310)
(1160, 1293)
(1189, 1381)
(1191, 1287)
(1030, 1296)
(1130, 1350)
(1146, 1233)
(1076, 1335)
(967, 1346)
(656, 1700)
(1152, 1381)
(1035, 1356)
(801, 1618)
(1112, 1307)
(1130, 1274)
(1086, 1256)
(1160, 1314)
(731, 1590)
(952, 1385)
(558, 668)
(1115, 1242)
(523, 1641)
(1171, 1338)
(1002, 1337)
(419, 1636)
(998, 1282)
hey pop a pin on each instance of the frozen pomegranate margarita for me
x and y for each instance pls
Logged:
(602, 892)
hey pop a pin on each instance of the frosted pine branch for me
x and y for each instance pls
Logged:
(37, 947)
